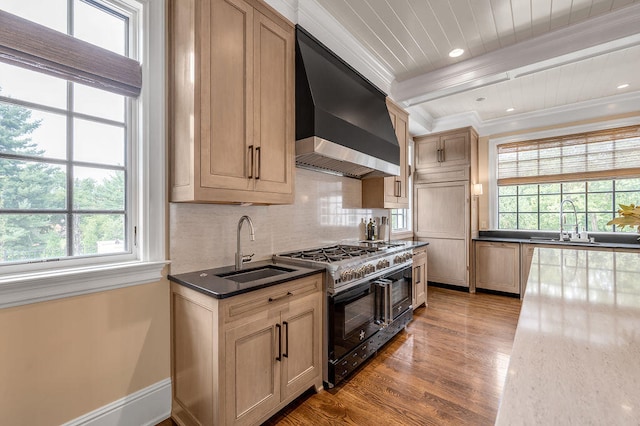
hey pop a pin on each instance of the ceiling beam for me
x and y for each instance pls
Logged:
(603, 34)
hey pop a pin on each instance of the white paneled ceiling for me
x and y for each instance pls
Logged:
(531, 55)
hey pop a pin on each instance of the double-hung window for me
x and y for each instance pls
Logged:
(597, 171)
(76, 145)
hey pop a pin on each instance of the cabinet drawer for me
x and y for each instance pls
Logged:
(242, 306)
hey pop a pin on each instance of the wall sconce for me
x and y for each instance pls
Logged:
(476, 190)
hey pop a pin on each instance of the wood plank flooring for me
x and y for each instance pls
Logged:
(447, 367)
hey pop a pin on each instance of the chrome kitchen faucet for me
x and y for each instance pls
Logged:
(240, 258)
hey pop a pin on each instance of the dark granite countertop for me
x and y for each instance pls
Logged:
(623, 241)
(207, 281)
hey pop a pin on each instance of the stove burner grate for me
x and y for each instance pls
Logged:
(332, 253)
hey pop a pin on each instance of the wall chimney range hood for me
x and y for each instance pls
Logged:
(342, 122)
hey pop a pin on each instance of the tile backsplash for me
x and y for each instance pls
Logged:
(326, 209)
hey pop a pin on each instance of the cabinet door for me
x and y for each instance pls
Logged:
(226, 104)
(402, 130)
(251, 370)
(455, 149)
(301, 329)
(426, 155)
(391, 182)
(419, 279)
(447, 262)
(442, 210)
(273, 88)
(498, 266)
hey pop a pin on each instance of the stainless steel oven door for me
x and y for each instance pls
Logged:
(352, 316)
(394, 295)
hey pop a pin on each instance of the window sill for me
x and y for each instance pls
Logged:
(22, 289)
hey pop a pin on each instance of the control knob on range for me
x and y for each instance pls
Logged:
(384, 263)
(347, 274)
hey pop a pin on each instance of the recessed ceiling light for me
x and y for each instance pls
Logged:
(623, 86)
(480, 99)
(456, 52)
(510, 109)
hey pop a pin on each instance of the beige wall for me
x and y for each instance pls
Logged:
(483, 158)
(326, 209)
(64, 358)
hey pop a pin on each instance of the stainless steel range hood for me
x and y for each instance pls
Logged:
(342, 121)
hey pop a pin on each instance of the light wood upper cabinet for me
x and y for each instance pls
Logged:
(445, 150)
(391, 192)
(498, 266)
(231, 86)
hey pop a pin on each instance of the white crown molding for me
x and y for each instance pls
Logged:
(146, 407)
(568, 130)
(589, 110)
(420, 121)
(457, 121)
(287, 8)
(605, 33)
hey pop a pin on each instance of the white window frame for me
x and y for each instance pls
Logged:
(493, 152)
(30, 283)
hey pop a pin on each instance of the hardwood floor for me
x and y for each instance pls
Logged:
(447, 367)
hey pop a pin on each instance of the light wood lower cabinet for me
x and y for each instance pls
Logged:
(419, 274)
(498, 266)
(240, 360)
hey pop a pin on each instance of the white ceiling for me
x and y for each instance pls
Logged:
(536, 56)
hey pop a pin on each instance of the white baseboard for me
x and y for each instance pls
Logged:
(146, 407)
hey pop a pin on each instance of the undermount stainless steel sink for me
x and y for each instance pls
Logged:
(247, 275)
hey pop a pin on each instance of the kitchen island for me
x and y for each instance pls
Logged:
(576, 352)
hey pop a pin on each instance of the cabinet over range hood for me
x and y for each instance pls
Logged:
(342, 121)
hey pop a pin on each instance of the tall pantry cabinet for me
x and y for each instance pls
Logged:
(231, 89)
(446, 213)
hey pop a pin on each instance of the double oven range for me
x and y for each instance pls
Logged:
(368, 299)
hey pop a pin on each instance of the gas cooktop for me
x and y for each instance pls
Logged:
(339, 252)
(348, 262)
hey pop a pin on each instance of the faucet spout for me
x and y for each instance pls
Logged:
(563, 219)
(240, 258)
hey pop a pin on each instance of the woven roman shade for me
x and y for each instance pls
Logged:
(34, 46)
(606, 154)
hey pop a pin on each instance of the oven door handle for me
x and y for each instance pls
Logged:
(385, 286)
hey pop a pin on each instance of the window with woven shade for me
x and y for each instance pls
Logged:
(608, 154)
(596, 170)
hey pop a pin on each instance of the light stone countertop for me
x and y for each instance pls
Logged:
(576, 354)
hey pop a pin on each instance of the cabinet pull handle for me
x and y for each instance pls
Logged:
(399, 188)
(418, 271)
(279, 357)
(286, 339)
(439, 156)
(273, 299)
(251, 157)
(259, 161)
